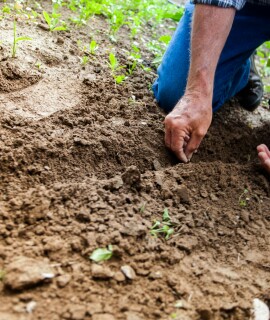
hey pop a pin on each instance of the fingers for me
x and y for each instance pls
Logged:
(265, 160)
(263, 148)
(178, 143)
(264, 156)
(176, 138)
(193, 144)
(168, 134)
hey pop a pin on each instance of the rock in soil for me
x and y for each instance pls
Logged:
(101, 272)
(128, 272)
(63, 280)
(25, 272)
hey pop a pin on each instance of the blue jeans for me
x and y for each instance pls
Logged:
(251, 28)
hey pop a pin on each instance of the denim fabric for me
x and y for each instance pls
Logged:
(251, 28)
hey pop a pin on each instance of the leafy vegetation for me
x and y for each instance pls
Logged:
(93, 47)
(263, 54)
(115, 68)
(102, 254)
(132, 15)
(164, 227)
(54, 22)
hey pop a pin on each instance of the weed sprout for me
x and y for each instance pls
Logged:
(164, 227)
(16, 40)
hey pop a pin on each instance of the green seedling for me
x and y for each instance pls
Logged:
(38, 65)
(102, 254)
(84, 60)
(119, 79)
(93, 47)
(54, 22)
(116, 20)
(166, 217)
(2, 275)
(114, 65)
(6, 9)
(164, 230)
(243, 199)
(164, 227)
(115, 68)
(135, 59)
(16, 40)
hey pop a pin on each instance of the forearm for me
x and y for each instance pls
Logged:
(210, 29)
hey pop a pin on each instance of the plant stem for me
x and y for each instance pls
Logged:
(14, 39)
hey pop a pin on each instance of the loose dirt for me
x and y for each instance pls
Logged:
(83, 166)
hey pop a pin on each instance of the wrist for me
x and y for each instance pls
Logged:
(197, 98)
(200, 84)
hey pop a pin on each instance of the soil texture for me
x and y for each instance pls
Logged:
(83, 166)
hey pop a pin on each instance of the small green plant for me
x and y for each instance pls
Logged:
(6, 9)
(38, 65)
(134, 58)
(16, 40)
(54, 22)
(164, 227)
(93, 47)
(2, 275)
(102, 254)
(84, 60)
(119, 79)
(158, 48)
(114, 65)
(243, 199)
(115, 68)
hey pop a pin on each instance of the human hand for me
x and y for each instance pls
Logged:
(187, 124)
(264, 156)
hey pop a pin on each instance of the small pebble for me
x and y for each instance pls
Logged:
(128, 272)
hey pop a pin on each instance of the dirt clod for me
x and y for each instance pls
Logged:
(132, 176)
(101, 272)
(25, 272)
(63, 280)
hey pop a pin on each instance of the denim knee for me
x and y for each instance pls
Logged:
(166, 99)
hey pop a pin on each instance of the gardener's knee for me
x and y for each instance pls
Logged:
(167, 93)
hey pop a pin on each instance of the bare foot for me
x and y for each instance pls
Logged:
(264, 156)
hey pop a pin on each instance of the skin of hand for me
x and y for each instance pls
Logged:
(187, 124)
(264, 156)
(184, 130)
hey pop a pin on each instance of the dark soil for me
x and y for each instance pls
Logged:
(83, 165)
